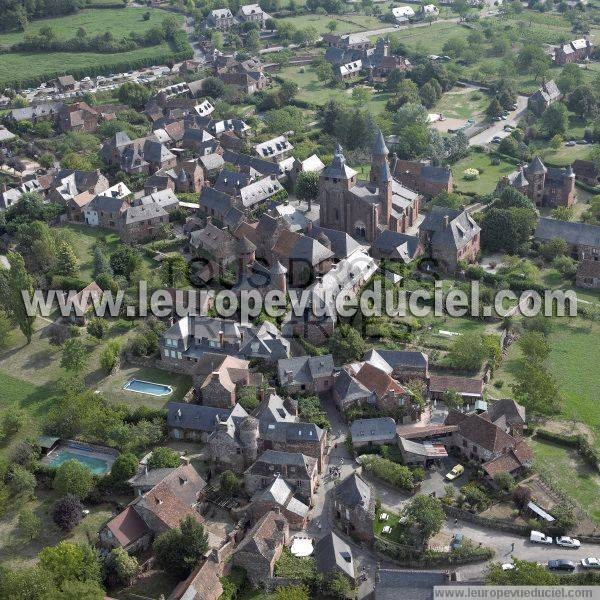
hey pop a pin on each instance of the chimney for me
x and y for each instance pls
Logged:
(446, 221)
(309, 227)
(208, 220)
(221, 338)
(4, 188)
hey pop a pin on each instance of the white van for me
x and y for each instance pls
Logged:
(537, 537)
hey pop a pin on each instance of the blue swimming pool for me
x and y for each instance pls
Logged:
(147, 387)
(95, 465)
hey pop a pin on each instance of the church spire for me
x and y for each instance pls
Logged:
(379, 147)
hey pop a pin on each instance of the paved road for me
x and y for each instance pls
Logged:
(497, 128)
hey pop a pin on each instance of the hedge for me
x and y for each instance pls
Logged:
(578, 441)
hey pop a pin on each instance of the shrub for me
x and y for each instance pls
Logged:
(110, 355)
(470, 174)
(68, 512)
(390, 472)
(22, 482)
(97, 327)
(74, 478)
(29, 525)
(248, 398)
(163, 458)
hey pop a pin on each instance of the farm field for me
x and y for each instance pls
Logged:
(119, 21)
(489, 174)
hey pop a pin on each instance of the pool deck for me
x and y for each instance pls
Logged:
(108, 455)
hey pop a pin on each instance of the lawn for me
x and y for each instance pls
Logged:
(29, 65)
(112, 387)
(16, 553)
(573, 361)
(393, 521)
(568, 473)
(461, 103)
(119, 21)
(154, 585)
(429, 39)
(345, 23)
(489, 174)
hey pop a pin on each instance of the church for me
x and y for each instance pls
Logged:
(363, 209)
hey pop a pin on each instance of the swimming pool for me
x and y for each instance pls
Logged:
(147, 387)
(95, 465)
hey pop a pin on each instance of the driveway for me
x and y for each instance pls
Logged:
(497, 127)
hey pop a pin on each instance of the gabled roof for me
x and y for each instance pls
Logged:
(378, 381)
(195, 416)
(381, 429)
(127, 527)
(332, 553)
(304, 369)
(348, 388)
(574, 233)
(482, 432)
(458, 231)
(338, 169)
(354, 492)
(266, 537)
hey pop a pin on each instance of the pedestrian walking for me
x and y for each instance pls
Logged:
(455, 522)
(512, 548)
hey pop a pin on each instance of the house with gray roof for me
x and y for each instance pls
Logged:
(219, 18)
(47, 111)
(416, 453)
(547, 94)
(381, 430)
(299, 471)
(402, 364)
(279, 496)
(354, 507)
(339, 242)
(146, 479)
(392, 245)
(583, 239)
(450, 236)
(194, 422)
(348, 391)
(391, 584)
(333, 555)
(274, 150)
(306, 374)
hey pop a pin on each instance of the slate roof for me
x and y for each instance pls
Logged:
(342, 244)
(285, 431)
(461, 227)
(309, 249)
(304, 369)
(408, 585)
(220, 202)
(397, 245)
(338, 168)
(506, 412)
(259, 191)
(279, 492)
(274, 147)
(144, 212)
(150, 477)
(353, 492)
(399, 358)
(332, 553)
(574, 233)
(349, 389)
(482, 432)
(378, 430)
(195, 416)
(265, 537)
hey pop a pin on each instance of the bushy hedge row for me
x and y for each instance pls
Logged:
(578, 441)
(396, 475)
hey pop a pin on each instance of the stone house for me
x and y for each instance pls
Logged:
(450, 236)
(160, 509)
(279, 497)
(364, 208)
(143, 222)
(105, 211)
(194, 422)
(403, 365)
(350, 41)
(78, 117)
(186, 178)
(546, 95)
(588, 274)
(401, 247)
(275, 149)
(378, 431)
(422, 177)
(66, 83)
(348, 391)
(252, 13)
(586, 171)
(508, 415)
(545, 186)
(306, 374)
(469, 390)
(47, 111)
(583, 239)
(263, 545)
(574, 51)
(248, 83)
(213, 243)
(218, 377)
(348, 70)
(333, 555)
(220, 18)
(354, 506)
(300, 472)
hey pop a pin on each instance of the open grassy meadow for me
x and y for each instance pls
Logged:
(489, 174)
(462, 103)
(119, 21)
(344, 23)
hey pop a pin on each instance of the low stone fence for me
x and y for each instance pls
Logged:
(465, 515)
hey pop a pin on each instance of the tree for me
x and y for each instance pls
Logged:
(346, 344)
(110, 355)
(509, 146)
(504, 481)
(163, 458)
(174, 271)
(553, 248)
(534, 345)
(536, 388)
(533, 60)
(428, 95)
(565, 518)
(22, 482)
(134, 95)
(583, 101)
(78, 590)
(570, 77)
(506, 229)
(426, 514)
(74, 355)
(452, 399)
(67, 263)
(71, 562)
(332, 26)
(229, 483)
(338, 586)
(252, 41)
(73, 478)
(32, 583)
(288, 91)
(361, 94)
(178, 551)
(562, 213)
(123, 566)
(20, 283)
(29, 525)
(97, 327)
(494, 109)
(555, 119)
(101, 264)
(12, 422)
(307, 186)
(125, 261)
(124, 467)
(468, 352)
(213, 87)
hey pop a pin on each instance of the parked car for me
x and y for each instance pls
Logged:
(456, 541)
(590, 563)
(561, 565)
(537, 537)
(456, 472)
(570, 143)
(567, 542)
(496, 139)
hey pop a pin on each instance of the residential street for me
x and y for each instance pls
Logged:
(497, 128)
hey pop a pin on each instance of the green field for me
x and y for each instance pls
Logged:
(461, 103)
(429, 38)
(489, 174)
(26, 65)
(345, 23)
(564, 468)
(119, 21)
